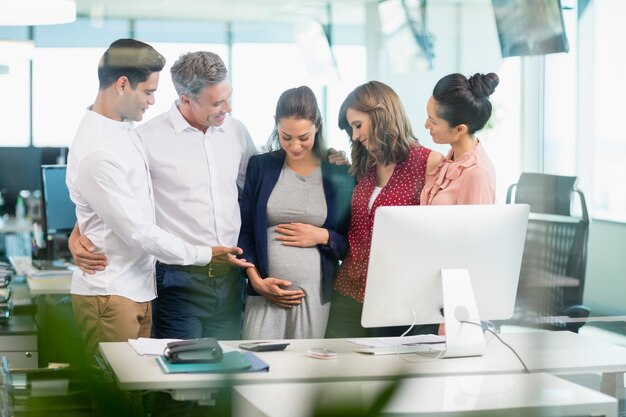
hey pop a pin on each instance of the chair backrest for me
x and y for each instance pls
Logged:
(555, 254)
(545, 193)
(553, 194)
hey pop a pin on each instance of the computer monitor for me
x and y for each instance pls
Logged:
(478, 248)
(19, 170)
(58, 210)
(530, 27)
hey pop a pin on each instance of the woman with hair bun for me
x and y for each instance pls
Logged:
(458, 108)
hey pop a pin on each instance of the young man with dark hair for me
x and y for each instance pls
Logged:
(109, 181)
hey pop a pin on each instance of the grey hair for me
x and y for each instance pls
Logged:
(194, 71)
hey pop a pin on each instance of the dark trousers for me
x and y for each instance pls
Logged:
(345, 321)
(190, 306)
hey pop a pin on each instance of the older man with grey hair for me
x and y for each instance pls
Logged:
(198, 157)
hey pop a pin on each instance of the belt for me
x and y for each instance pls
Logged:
(211, 270)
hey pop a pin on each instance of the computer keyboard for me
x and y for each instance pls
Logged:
(428, 349)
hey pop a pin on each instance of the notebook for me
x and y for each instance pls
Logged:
(232, 362)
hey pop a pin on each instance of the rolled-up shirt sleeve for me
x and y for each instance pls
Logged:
(103, 183)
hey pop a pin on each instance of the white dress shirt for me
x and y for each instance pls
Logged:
(108, 180)
(195, 176)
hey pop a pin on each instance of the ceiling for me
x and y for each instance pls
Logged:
(342, 11)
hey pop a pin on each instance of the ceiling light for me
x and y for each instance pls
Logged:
(36, 12)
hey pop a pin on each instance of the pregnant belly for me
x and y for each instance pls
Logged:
(301, 266)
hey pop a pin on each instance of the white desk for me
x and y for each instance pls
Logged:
(485, 395)
(552, 352)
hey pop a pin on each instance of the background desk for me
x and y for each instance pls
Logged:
(59, 338)
(18, 342)
(552, 352)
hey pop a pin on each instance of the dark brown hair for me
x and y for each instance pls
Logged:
(465, 101)
(130, 58)
(299, 103)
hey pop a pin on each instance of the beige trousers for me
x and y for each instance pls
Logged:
(110, 318)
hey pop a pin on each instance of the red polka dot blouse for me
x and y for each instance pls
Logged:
(403, 189)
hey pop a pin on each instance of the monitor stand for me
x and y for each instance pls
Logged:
(459, 304)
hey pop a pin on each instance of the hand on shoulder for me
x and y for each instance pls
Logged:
(337, 157)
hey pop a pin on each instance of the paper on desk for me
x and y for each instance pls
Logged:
(394, 341)
(145, 346)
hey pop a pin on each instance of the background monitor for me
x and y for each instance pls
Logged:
(530, 27)
(20, 170)
(58, 215)
(412, 244)
(59, 212)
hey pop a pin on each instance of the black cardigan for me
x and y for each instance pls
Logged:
(261, 177)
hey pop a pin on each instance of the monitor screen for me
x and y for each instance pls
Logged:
(412, 244)
(19, 170)
(530, 27)
(59, 213)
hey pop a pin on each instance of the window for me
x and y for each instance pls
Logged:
(268, 61)
(261, 72)
(64, 87)
(14, 103)
(560, 99)
(501, 134)
(351, 65)
(602, 92)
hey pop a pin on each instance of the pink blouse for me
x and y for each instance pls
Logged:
(469, 180)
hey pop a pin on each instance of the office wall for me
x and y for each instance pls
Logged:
(605, 289)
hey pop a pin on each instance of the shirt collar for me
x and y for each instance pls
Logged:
(467, 157)
(180, 124)
(124, 124)
(448, 168)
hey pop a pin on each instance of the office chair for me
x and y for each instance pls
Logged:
(552, 275)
